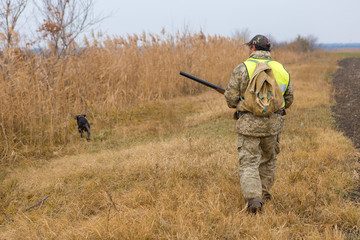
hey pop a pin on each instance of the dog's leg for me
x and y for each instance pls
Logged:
(81, 133)
(88, 133)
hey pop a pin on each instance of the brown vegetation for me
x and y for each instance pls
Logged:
(162, 160)
(162, 163)
(42, 93)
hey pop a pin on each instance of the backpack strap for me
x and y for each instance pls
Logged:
(260, 96)
(265, 109)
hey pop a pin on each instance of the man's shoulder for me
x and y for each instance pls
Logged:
(240, 68)
(276, 62)
(278, 65)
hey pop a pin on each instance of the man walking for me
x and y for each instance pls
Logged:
(258, 136)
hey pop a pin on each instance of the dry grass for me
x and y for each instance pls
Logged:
(170, 171)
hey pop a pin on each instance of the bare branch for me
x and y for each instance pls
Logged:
(41, 202)
(10, 12)
(65, 20)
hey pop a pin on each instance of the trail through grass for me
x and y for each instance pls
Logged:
(169, 171)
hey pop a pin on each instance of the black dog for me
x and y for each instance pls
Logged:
(83, 125)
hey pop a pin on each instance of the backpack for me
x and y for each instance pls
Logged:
(263, 95)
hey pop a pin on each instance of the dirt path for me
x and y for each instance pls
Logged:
(346, 84)
(347, 95)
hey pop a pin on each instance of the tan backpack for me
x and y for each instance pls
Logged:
(263, 95)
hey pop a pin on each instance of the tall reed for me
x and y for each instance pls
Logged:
(40, 93)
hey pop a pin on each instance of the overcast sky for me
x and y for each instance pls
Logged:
(330, 21)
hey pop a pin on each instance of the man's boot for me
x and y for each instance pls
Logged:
(254, 205)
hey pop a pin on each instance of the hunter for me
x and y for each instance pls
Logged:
(258, 136)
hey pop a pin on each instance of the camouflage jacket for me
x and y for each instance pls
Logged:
(248, 124)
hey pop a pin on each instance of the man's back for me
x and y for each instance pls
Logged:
(249, 124)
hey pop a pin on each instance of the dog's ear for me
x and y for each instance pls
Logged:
(76, 117)
(84, 115)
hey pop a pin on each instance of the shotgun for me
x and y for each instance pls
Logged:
(210, 85)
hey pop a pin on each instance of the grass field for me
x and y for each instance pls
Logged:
(166, 168)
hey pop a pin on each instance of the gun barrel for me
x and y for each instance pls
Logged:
(219, 89)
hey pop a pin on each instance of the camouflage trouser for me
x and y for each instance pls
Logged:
(257, 159)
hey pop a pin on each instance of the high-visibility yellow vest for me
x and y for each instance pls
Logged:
(282, 77)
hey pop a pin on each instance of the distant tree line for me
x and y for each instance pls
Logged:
(300, 44)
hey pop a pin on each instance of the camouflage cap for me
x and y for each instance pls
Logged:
(260, 42)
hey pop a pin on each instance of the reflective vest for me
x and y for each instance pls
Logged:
(282, 77)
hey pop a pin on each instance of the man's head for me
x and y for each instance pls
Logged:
(260, 42)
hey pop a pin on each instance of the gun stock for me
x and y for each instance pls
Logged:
(210, 85)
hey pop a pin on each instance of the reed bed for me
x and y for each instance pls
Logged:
(41, 93)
